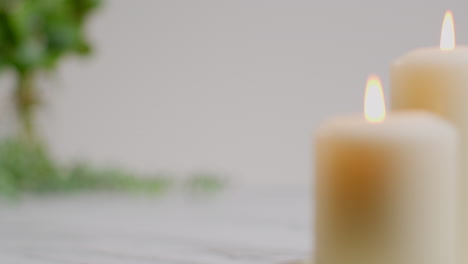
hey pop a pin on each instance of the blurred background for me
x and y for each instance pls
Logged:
(235, 87)
(143, 95)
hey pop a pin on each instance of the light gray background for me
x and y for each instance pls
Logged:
(235, 86)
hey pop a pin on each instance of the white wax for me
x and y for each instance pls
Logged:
(437, 81)
(386, 192)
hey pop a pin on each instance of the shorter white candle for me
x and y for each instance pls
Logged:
(386, 187)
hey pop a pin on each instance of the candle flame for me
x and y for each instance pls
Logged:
(447, 36)
(374, 102)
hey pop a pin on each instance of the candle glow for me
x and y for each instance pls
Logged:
(447, 36)
(374, 102)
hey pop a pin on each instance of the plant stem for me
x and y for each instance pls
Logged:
(26, 102)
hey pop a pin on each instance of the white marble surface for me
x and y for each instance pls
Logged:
(254, 225)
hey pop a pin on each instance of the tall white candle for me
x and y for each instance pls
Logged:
(386, 189)
(436, 79)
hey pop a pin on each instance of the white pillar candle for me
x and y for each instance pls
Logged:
(385, 189)
(436, 79)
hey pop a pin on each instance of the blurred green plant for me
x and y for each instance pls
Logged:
(205, 182)
(34, 36)
(26, 167)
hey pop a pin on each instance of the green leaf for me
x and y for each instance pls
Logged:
(30, 54)
(36, 34)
